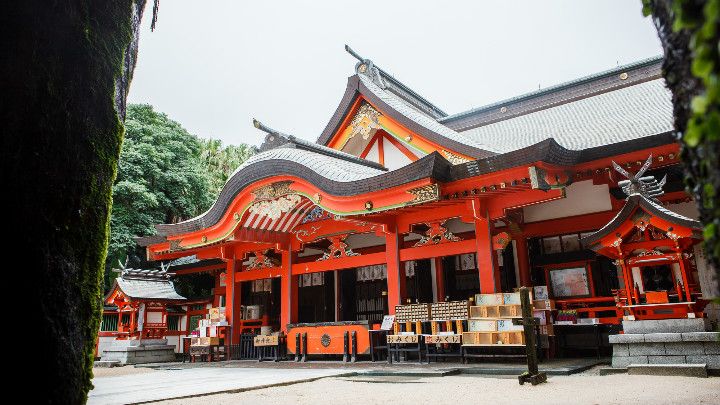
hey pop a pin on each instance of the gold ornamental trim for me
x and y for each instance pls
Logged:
(424, 194)
(272, 191)
(453, 158)
(274, 209)
(364, 122)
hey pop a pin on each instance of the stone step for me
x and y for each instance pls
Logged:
(612, 370)
(107, 363)
(666, 326)
(685, 370)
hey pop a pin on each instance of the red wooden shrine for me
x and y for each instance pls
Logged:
(422, 205)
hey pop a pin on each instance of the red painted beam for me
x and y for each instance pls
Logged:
(257, 274)
(201, 269)
(439, 250)
(338, 264)
(498, 205)
(579, 223)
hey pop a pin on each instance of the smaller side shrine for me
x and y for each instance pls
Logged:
(142, 299)
(663, 319)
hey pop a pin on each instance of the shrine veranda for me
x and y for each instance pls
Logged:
(398, 202)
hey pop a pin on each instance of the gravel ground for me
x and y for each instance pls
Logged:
(100, 372)
(586, 388)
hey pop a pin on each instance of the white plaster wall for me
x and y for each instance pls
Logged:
(394, 158)
(154, 317)
(175, 341)
(455, 225)
(373, 154)
(310, 252)
(364, 240)
(104, 343)
(580, 198)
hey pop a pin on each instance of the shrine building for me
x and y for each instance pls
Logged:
(398, 201)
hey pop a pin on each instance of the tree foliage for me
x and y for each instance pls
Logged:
(688, 30)
(222, 161)
(165, 175)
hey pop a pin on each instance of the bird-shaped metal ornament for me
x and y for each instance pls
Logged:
(646, 186)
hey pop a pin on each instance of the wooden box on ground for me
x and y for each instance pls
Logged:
(496, 311)
(489, 299)
(205, 341)
(479, 338)
(493, 338)
(510, 310)
(485, 311)
(482, 325)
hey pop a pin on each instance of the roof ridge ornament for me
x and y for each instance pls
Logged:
(367, 67)
(646, 186)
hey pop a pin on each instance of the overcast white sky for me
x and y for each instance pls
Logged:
(213, 65)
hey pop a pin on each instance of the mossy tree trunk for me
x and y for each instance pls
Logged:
(689, 32)
(64, 76)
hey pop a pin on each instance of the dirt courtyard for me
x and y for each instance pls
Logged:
(586, 388)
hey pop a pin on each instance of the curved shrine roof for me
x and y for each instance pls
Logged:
(614, 112)
(638, 201)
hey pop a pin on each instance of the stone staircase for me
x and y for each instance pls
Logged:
(662, 346)
(138, 351)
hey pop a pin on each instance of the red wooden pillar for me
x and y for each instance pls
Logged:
(119, 318)
(629, 284)
(523, 259)
(395, 272)
(683, 273)
(216, 290)
(440, 279)
(132, 321)
(288, 292)
(489, 279)
(236, 306)
(231, 310)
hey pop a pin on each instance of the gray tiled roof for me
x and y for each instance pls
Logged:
(628, 113)
(598, 82)
(418, 117)
(148, 289)
(327, 166)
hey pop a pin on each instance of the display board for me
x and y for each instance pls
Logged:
(570, 282)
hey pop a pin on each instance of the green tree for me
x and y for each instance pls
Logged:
(221, 161)
(161, 179)
(689, 31)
